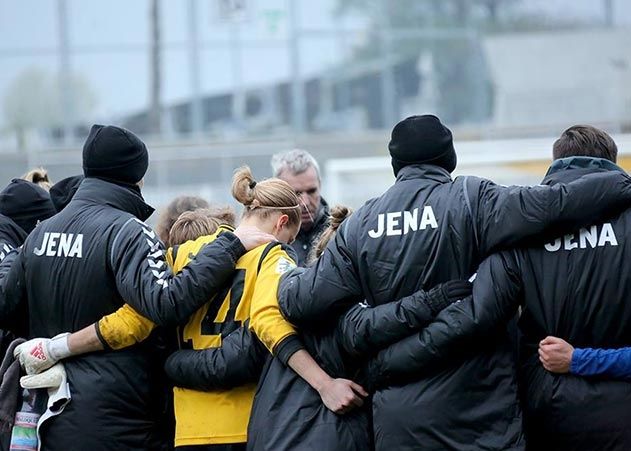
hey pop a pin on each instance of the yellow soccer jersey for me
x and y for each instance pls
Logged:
(221, 417)
(267, 321)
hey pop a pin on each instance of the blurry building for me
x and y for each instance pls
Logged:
(552, 79)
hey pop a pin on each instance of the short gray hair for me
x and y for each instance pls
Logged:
(296, 161)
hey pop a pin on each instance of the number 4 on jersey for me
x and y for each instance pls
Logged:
(212, 324)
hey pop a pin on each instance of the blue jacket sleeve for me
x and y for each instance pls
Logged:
(612, 363)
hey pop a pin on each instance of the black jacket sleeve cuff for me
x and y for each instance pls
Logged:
(106, 346)
(232, 244)
(288, 347)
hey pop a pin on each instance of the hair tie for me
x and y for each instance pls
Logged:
(252, 184)
(255, 204)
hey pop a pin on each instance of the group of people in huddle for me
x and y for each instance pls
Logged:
(443, 314)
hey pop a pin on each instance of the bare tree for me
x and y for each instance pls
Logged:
(33, 101)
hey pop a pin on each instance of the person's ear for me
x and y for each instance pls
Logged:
(282, 221)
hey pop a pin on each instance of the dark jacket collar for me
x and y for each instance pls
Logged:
(565, 170)
(100, 192)
(321, 218)
(322, 215)
(424, 171)
(10, 232)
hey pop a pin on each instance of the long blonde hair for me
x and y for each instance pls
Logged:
(265, 197)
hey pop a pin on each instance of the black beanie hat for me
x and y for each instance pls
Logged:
(26, 204)
(62, 192)
(422, 140)
(115, 154)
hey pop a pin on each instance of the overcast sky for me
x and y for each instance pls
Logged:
(110, 38)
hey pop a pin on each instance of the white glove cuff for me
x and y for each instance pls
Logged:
(58, 347)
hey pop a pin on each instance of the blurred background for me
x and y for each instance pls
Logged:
(214, 84)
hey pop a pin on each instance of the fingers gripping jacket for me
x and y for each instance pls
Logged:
(447, 293)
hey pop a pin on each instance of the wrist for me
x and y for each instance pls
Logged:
(321, 382)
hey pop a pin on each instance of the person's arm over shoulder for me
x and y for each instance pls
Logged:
(145, 281)
(610, 363)
(505, 215)
(266, 319)
(356, 330)
(329, 287)
(239, 360)
(126, 327)
(496, 295)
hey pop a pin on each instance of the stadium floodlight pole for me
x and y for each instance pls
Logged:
(195, 69)
(388, 89)
(609, 14)
(238, 96)
(155, 67)
(298, 104)
(65, 72)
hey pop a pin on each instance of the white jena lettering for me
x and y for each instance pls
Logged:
(428, 219)
(57, 244)
(587, 238)
(410, 221)
(64, 244)
(52, 244)
(554, 246)
(379, 230)
(77, 247)
(389, 224)
(42, 248)
(392, 223)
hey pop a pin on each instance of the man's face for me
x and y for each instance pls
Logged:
(307, 186)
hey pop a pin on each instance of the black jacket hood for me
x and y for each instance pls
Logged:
(99, 191)
(565, 170)
(10, 232)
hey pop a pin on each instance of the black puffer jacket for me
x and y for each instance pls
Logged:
(83, 264)
(575, 287)
(424, 230)
(287, 413)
